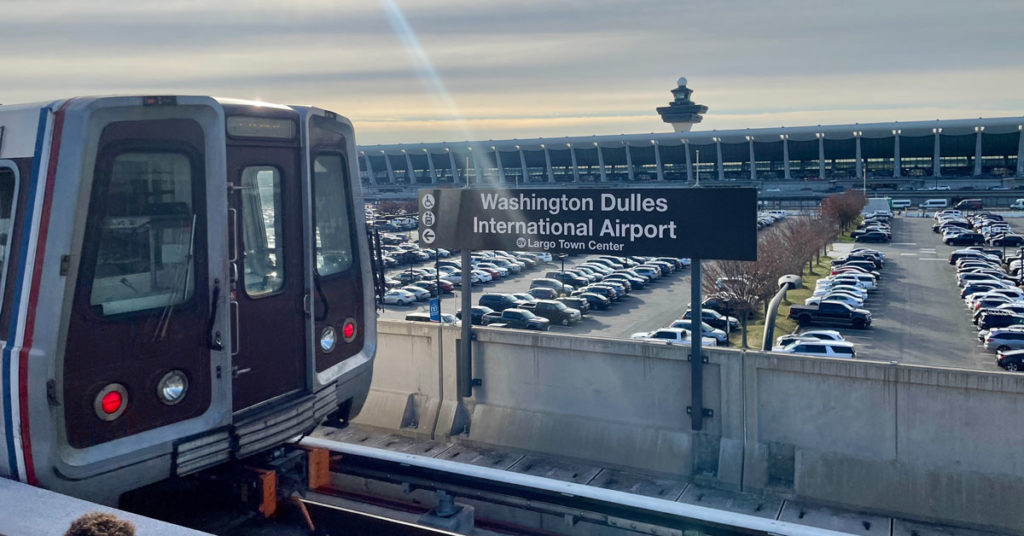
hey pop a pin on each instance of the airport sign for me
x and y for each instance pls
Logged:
(706, 223)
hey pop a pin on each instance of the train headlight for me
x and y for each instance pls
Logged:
(110, 402)
(328, 339)
(172, 387)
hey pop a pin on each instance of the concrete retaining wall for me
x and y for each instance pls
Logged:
(919, 442)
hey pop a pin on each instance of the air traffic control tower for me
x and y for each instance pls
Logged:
(682, 112)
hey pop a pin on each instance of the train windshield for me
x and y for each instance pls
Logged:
(333, 236)
(147, 235)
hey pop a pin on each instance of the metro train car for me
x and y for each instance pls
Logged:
(184, 282)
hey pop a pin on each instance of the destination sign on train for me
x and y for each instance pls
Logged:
(708, 223)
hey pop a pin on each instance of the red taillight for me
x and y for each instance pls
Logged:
(348, 330)
(111, 402)
(990, 339)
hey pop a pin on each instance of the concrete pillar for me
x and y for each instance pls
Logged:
(547, 164)
(408, 167)
(455, 168)
(430, 164)
(718, 159)
(859, 164)
(977, 150)
(629, 163)
(600, 162)
(657, 161)
(575, 168)
(522, 163)
(785, 157)
(501, 168)
(369, 169)
(937, 154)
(391, 172)
(897, 164)
(478, 170)
(821, 156)
(1020, 153)
(753, 167)
(689, 164)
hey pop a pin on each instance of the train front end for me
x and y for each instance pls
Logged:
(169, 294)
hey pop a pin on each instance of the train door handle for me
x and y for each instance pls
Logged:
(236, 372)
(236, 338)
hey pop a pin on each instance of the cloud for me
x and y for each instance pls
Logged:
(574, 67)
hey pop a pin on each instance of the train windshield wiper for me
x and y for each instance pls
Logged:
(183, 276)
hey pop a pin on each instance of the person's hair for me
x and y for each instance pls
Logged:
(100, 524)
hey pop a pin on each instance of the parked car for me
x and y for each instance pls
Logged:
(819, 348)
(715, 319)
(557, 312)
(1002, 340)
(830, 313)
(397, 296)
(1011, 360)
(558, 286)
(446, 318)
(818, 334)
(499, 302)
(543, 293)
(419, 293)
(476, 315)
(706, 330)
(595, 300)
(670, 336)
(576, 302)
(522, 319)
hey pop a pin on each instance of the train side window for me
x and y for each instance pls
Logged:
(261, 225)
(8, 191)
(147, 235)
(333, 235)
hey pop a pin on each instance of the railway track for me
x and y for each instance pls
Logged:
(420, 491)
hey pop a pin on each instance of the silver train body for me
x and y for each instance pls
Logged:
(185, 281)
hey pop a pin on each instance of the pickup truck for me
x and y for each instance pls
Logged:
(521, 319)
(671, 336)
(833, 313)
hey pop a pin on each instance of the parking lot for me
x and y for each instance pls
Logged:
(918, 316)
(649, 308)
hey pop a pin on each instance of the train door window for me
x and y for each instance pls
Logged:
(333, 236)
(261, 227)
(147, 235)
(8, 191)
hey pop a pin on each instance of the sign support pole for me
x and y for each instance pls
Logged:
(696, 360)
(465, 370)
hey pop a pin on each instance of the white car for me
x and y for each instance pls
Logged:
(819, 348)
(849, 289)
(835, 297)
(670, 336)
(399, 296)
(483, 276)
(818, 334)
(544, 256)
(706, 330)
(419, 293)
(866, 280)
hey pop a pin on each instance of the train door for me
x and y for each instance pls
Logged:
(267, 288)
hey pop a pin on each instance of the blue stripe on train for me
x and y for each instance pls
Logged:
(15, 302)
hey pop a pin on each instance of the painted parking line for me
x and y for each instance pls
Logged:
(931, 259)
(903, 244)
(907, 254)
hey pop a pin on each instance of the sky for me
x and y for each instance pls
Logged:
(408, 71)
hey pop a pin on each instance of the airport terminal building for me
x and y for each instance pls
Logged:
(957, 148)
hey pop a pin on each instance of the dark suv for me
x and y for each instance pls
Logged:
(556, 312)
(568, 279)
(499, 302)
